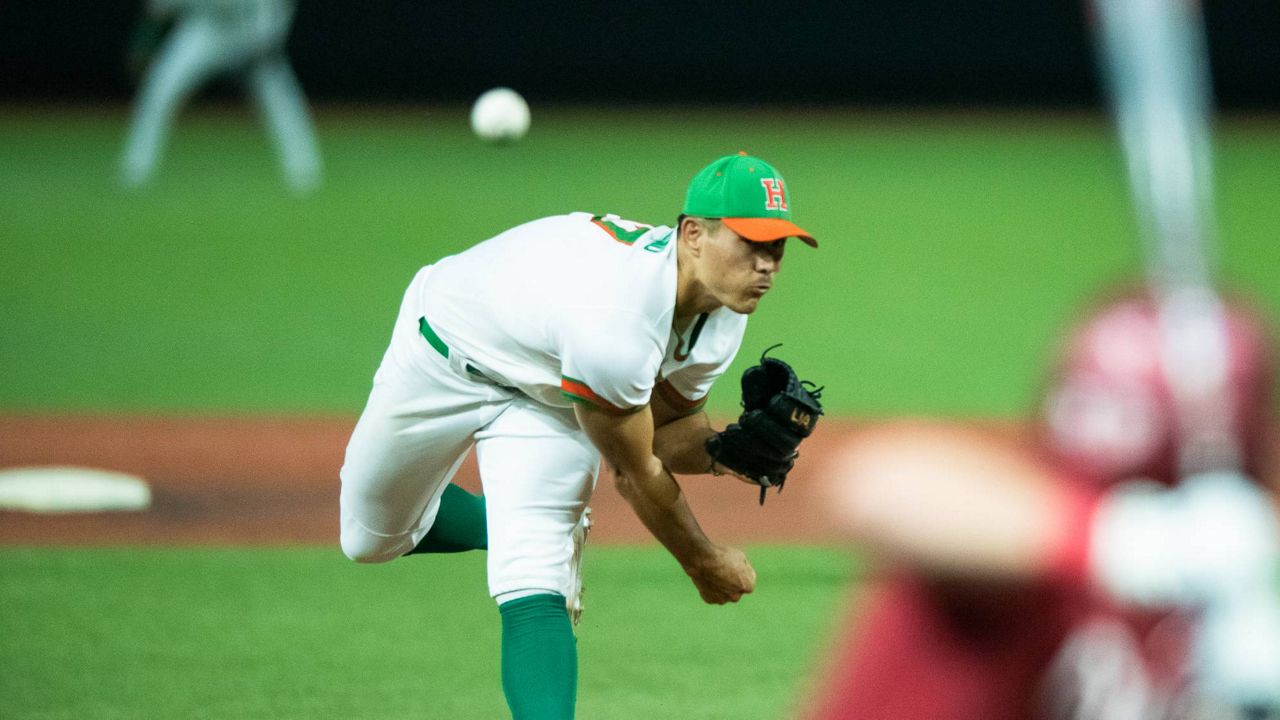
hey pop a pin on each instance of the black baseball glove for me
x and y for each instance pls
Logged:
(778, 411)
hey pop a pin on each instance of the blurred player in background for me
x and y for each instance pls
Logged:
(1067, 575)
(1121, 564)
(212, 37)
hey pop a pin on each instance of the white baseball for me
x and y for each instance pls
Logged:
(500, 115)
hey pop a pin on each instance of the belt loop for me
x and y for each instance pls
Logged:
(458, 363)
(432, 337)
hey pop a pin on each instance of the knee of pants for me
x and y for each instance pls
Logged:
(363, 546)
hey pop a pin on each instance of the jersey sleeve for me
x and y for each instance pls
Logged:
(608, 359)
(683, 402)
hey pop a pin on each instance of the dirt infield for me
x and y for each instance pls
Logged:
(274, 481)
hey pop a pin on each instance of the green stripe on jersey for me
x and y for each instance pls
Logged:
(432, 337)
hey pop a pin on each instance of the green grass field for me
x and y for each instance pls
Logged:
(953, 247)
(303, 633)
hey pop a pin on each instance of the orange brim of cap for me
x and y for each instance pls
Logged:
(767, 229)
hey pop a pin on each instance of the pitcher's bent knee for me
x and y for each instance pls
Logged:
(364, 546)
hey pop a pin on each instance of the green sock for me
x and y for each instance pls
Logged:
(539, 658)
(460, 524)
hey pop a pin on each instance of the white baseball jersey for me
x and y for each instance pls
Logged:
(579, 308)
(492, 346)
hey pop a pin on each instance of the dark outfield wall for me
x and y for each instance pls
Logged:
(934, 52)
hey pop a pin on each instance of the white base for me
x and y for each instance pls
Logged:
(59, 489)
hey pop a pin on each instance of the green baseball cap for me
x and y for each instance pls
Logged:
(748, 195)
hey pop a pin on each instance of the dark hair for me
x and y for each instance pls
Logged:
(683, 217)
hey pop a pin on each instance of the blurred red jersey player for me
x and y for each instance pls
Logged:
(1014, 568)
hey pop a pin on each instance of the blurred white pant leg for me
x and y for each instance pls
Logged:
(284, 111)
(194, 52)
(539, 470)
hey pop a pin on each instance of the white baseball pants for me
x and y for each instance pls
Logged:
(537, 467)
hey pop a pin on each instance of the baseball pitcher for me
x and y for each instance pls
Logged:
(548, 346)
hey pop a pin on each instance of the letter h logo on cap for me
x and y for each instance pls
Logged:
(774, 194)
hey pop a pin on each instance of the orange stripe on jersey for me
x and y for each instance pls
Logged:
(678, 402)
(577, 391)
